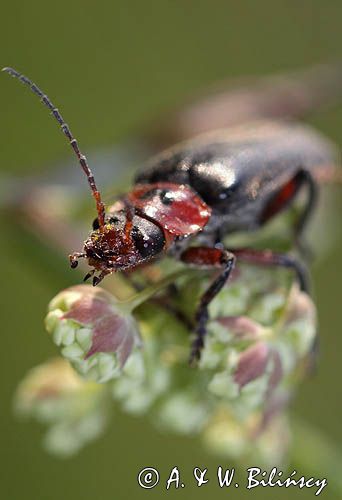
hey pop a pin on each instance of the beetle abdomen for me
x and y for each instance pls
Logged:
(237, 170)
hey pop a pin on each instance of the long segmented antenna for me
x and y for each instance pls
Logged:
(73, 142)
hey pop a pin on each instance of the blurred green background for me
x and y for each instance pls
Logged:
(112, 66)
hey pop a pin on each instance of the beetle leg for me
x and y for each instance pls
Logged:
(283, 198)
(308, 181)
(73, 258)
(165, 304)
(162, 301)
(99, 278)
(207, 257)
(89, 275)
(129, 210)
(270, 258)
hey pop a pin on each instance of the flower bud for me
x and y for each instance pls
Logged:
(73, 409)
(183, 413)
(93, 333)
(44, 387)
(230, 437)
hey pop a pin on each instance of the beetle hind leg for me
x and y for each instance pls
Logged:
(305, 216)
(270, 258)
(282, 199)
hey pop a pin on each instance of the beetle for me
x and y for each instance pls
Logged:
(200, 191)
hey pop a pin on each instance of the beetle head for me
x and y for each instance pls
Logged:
(116, 247)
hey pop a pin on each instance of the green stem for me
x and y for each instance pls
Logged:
(315, 455)
(127, 306)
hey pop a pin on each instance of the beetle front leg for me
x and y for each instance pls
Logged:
(207, 257)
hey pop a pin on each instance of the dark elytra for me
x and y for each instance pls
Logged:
(238, 171)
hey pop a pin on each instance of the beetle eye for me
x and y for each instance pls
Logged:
(148, 237)
(96, 224)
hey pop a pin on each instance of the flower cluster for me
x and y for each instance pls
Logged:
(259, 345)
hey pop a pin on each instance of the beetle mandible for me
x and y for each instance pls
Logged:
(204, 189)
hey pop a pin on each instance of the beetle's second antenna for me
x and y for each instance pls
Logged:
(67, 132)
